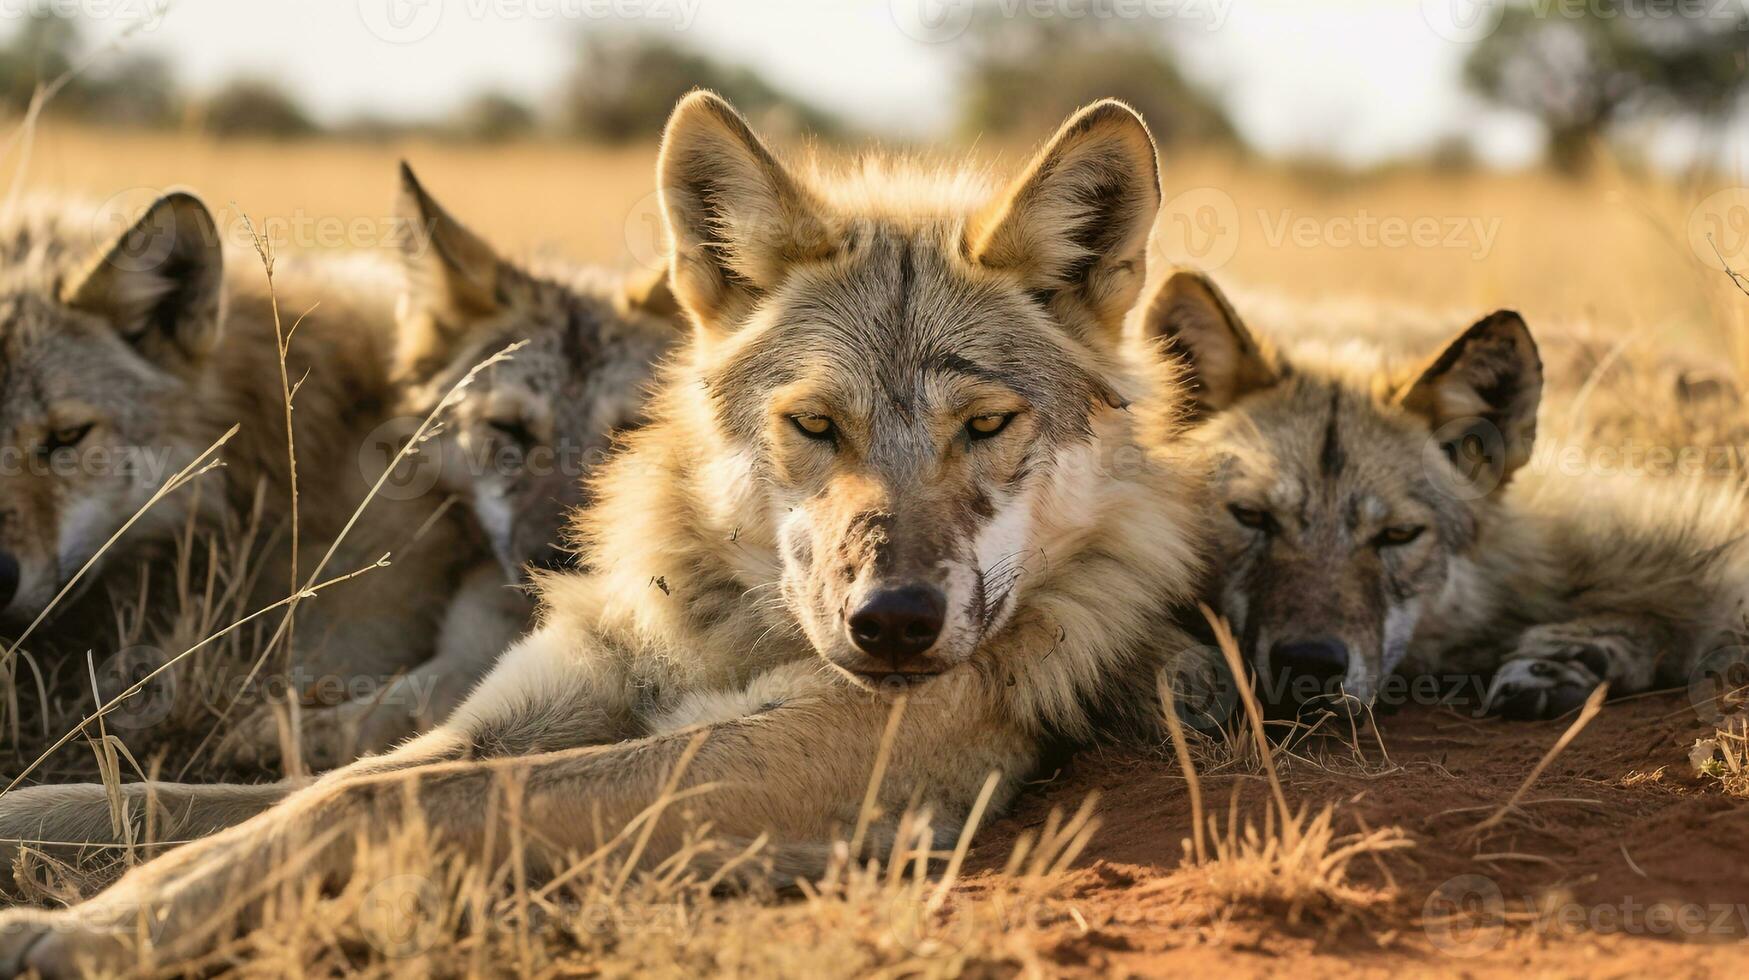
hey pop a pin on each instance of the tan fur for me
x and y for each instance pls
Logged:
(723, 538)
(1551, 582)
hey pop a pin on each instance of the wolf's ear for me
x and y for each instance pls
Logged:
(737, 219)
(161, 283)
(650, 292)
(1074, 227)
(453, 276)
(1225, 363)
(1480, 396)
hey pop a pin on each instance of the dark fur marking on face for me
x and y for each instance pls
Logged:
(1331, 458)
(982, 506)
(948, 362)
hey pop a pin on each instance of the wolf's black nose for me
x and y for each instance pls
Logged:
(8, 578)
(899, 623)
(1301, 662)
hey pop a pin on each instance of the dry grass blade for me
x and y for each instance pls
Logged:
(1593, 705)
(865, 814)
(1175, 727)
(1236, 663)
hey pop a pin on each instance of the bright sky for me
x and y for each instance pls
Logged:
(1357, 80)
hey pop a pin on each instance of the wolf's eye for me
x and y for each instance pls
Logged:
(1402, 534)
(1251, 517)
(65, 438)
(985, 426)
(814, 426)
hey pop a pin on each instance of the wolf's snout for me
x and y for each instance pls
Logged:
(897, 624)
(1310, 668)
(8, 578)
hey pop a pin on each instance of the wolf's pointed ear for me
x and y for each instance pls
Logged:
(650, 292)
(1197, 324)
(1480, 397)
(737, 219)
(1074, 227)
(161, 283)
(453, 276)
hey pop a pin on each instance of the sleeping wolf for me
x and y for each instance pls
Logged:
(905, 452)
(515, 445)
(124, 361)
(1378, 519)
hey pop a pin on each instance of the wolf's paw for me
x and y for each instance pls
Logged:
(64, 943)
(1527, 688)
(328, 737)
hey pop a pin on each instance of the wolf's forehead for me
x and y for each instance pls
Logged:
(900, 307)
(1327, 441)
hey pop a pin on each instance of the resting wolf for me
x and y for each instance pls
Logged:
(904, 452)
(128, 357)
(1378, 519)
(514, 445)
(124, 360)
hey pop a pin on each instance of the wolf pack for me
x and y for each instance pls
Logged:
(891, 468)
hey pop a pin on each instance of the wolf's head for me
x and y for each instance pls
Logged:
(101, 354)
(904, 375)
(1350, 490)
(528, 429)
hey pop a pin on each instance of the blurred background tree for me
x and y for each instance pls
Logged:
(493, 117)
(623, 86)
(254, 107)
(1062, 65)
(119, 89)
(1586, 72)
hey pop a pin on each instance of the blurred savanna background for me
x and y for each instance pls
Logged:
(1578, 160)
(1387, 170)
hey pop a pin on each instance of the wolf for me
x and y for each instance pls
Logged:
(1377, 521)
(906, 475)
(126, 359)
(516, 443)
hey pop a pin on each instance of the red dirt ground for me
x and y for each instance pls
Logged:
(1595, 846)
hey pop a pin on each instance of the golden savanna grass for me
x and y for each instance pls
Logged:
(1645, 341)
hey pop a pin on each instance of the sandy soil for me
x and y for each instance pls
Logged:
(1577, 882)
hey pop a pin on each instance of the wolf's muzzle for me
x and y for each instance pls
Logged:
(897, 627)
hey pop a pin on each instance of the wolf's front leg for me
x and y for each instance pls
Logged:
(1556, 666)
(483, 619)
(796, 770)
